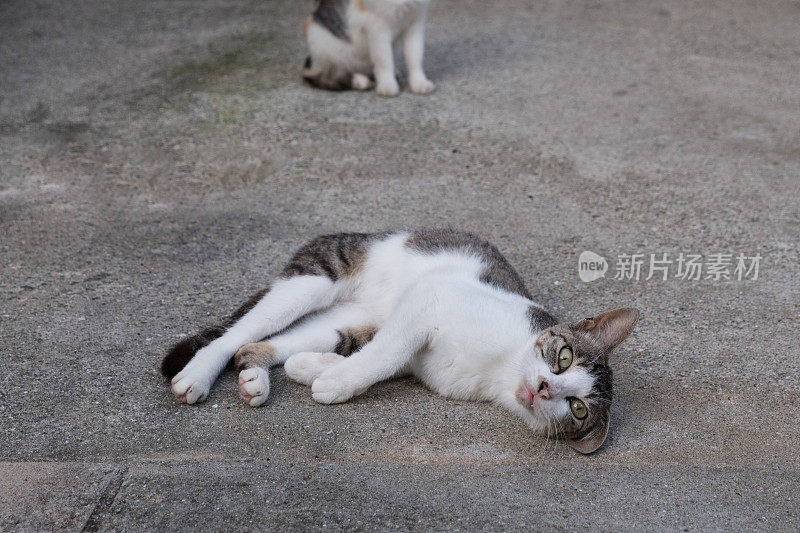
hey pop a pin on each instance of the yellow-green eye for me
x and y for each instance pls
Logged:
(578, 408)
(564, 357)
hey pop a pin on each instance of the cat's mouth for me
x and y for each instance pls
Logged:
(526, 395)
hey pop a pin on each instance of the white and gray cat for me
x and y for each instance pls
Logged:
(351, 44)
(353, 309)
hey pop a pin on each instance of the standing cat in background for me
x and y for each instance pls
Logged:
(442, 305)
(351, 43)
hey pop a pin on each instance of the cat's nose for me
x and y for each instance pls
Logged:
(543, 388)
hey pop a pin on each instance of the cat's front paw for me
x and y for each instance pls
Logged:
(330, 388)
(305, 367)
(387, 87)
(254, 385)
(420, 85)
(189, 388)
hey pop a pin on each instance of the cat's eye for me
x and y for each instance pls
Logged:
(564, 357)
(578, 409)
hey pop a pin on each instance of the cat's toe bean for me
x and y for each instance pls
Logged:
(254, 385)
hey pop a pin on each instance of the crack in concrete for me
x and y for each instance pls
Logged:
(107, 498)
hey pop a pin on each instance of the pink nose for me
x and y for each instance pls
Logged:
(543, 389)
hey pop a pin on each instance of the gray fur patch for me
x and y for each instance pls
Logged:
(352, 340)
(335, 256)
(497, 272)
(330, 14)
(540, 319)
(254, 354)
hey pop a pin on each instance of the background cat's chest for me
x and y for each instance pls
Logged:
(398, 14)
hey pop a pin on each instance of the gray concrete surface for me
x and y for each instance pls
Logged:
(159, 160)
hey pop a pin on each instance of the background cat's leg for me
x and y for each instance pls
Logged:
(288, 300)
(318, 333)
(414, 50)
(381, 53)
(405, 333)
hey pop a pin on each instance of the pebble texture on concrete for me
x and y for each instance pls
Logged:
(160, 160)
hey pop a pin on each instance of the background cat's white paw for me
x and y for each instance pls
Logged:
(361, 82)
(331, 390)
(420, 85)
(254, 385)
(189, 389)
(305, 367)
(388, 88)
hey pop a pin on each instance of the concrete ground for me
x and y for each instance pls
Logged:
(160, 160)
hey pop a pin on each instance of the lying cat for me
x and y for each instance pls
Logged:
(352, 40)
(442, 305)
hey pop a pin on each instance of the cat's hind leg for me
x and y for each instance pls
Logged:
(328, 66)
(320, 333)
(361, 82)
(305, 367)
(288, 300)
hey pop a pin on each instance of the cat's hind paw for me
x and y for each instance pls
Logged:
(189, 389)
(305, 367)
(254, 385)
(361, 82)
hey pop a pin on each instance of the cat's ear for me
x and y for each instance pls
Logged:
(591, 443)
(609, 329)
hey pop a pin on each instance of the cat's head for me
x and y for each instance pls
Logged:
(566, 383)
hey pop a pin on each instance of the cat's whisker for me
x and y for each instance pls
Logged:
(560, 426)
(547, 439)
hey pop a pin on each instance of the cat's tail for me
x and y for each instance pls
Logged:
(180, 354)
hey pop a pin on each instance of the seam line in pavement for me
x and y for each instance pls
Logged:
(107, 498)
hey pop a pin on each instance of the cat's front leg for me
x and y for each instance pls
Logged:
(380, 51)
(405, 333)
(340, 383)
(414, 50)
(252, 361)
